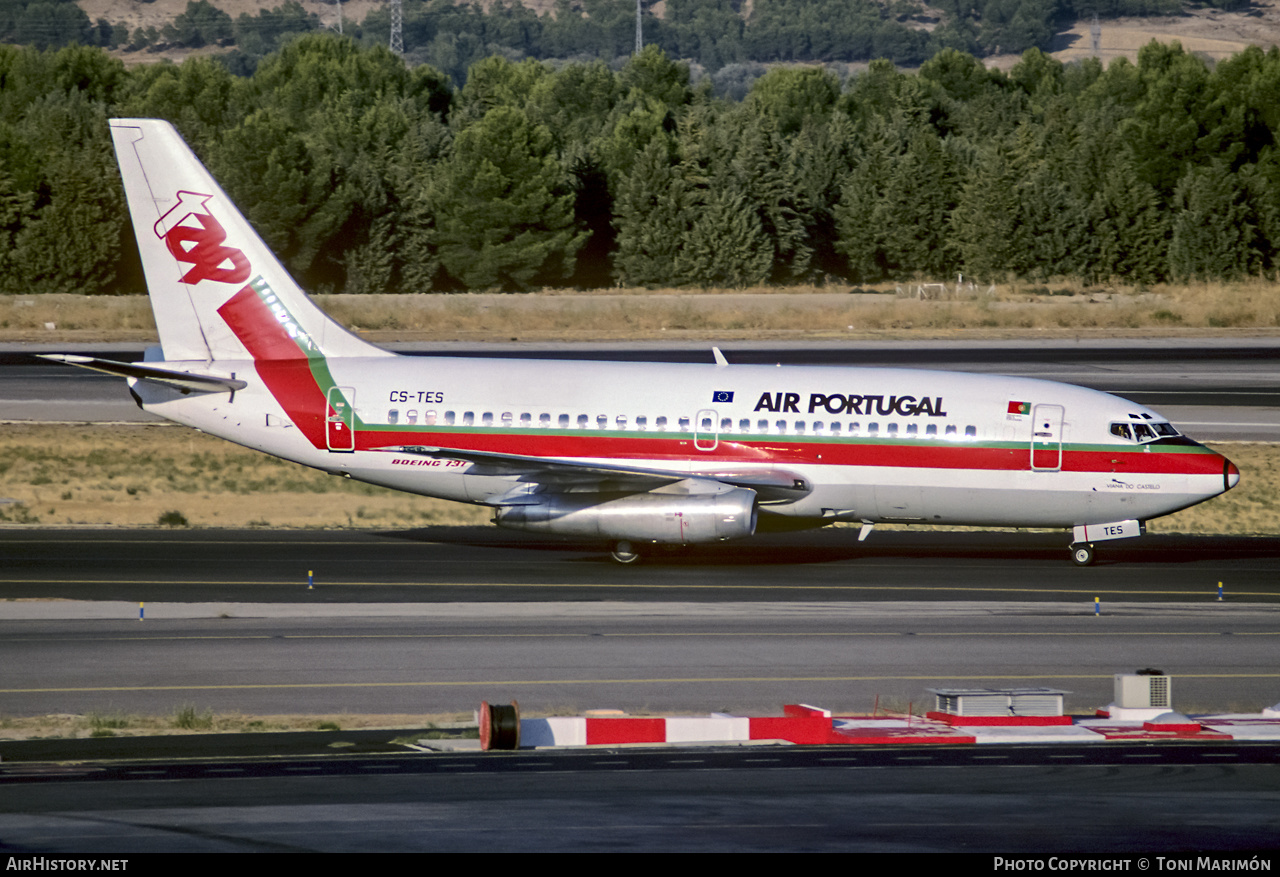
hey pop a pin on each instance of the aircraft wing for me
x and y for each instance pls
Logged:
(187, 382)
(772, 485)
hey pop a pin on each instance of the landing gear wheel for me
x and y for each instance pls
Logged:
(1082, 554)
(623, 552)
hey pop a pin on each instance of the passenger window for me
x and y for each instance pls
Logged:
(393, 416)
(892, 430)
(951, 431)
(660, 424)
(642, 422)
(855, 428)
(583, 421)
(564, 421)
(873, 429)
(762, 427)
(411, 416)
(486, 419)
(912, 430)
(684, 424)
(526, 419)
(544, 421)
(468, 418)
(781, 426)
(429, 418)
(622, 421)
(970, 432)
(726, 424)
(744, 426)
(799, 427)
(602, 421)
(817, 427)
(835, 429)
(448, 418)
(931, 430)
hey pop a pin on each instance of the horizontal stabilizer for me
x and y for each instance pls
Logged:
(187, 382)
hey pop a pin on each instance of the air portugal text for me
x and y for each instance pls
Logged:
(840, 403)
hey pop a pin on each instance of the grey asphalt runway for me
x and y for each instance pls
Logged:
(1120, 815)
(562, 658)
(486, 564)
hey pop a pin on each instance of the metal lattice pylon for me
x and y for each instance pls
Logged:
(397, 27)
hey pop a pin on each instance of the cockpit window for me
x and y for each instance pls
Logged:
(1144, 432)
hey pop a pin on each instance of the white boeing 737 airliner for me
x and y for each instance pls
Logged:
(625, 452)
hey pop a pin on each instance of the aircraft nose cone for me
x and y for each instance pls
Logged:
(1230, 475)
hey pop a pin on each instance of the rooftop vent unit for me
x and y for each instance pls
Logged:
(999, 701)
(1146, 689)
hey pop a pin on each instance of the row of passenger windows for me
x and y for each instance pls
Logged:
(745, 426)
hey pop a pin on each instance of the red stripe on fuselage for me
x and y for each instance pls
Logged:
(782, 452)
(282, 366)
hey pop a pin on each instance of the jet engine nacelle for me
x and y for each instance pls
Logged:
(672, 518)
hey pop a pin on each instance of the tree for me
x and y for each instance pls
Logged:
(657, 77)
(985, 223)
(1214, 232)
(504, 216)
(791, 96)
(201, 24)
(725, 244)
(1129, 230)
(651, 218)
(764, 174)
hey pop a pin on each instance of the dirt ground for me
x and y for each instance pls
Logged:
(1208, 32)
(157, 13)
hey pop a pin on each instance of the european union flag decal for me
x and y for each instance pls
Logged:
(720, 397)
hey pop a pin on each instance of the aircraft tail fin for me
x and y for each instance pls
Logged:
(216, 289)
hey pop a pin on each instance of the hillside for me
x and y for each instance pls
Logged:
(1210, 32)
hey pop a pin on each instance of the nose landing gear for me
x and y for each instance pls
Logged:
(1082, 553)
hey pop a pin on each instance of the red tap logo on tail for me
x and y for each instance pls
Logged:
(194, 236)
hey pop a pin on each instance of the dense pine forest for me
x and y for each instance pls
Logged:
(369, 174)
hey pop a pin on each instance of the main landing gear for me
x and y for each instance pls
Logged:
(1082, 553)
(624, 552)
